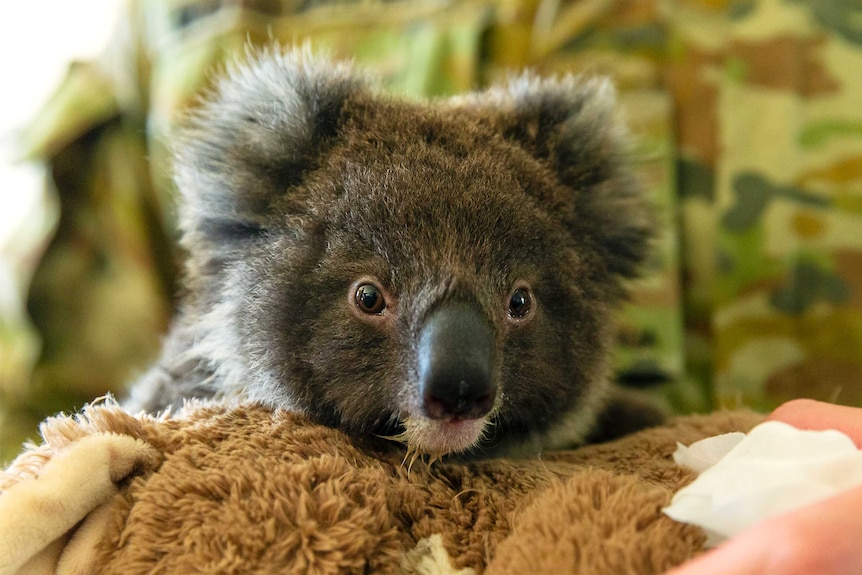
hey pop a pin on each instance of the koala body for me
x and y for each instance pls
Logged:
(442, 272)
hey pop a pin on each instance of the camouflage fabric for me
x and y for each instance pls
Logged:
(748, 125)
(770, 178)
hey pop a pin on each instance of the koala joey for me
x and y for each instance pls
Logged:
(443, 273)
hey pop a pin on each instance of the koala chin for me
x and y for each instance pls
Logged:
(443, 273)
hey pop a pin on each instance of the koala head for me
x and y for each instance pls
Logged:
(443, 272)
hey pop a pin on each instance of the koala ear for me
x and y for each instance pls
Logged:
(260, 129)
(572, 126)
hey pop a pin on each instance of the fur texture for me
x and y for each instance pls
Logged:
(301, 183)
(247, 490)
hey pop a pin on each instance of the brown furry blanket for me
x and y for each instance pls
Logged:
(246, 490)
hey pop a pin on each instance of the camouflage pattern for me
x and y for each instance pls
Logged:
(747, 117)
(769, 100)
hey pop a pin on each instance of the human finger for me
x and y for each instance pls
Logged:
(810, 414)
(821, 538)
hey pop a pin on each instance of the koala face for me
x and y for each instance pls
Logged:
(437, 296)
(442, 273)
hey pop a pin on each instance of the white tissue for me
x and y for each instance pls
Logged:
(745, 479)
(703, 454)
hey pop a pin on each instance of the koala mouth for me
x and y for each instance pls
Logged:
(438, 437)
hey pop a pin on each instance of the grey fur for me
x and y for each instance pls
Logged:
(298, 178)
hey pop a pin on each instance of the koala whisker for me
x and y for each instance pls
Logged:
(414, 454)
(435, 457)
(402, 437)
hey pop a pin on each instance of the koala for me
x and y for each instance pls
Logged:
(441, 273)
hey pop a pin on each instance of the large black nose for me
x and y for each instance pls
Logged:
(456, 358)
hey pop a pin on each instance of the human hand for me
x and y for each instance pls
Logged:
(824, 538)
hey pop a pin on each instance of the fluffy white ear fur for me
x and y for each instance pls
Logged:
(573, 124)
(257, 130)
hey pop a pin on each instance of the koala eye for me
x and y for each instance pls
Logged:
(520, 303)
(369, 299)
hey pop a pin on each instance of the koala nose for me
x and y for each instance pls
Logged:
(455, 360)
